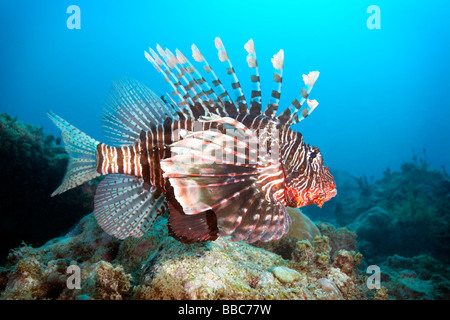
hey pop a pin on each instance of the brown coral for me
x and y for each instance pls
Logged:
(347, 260)
(112, 282)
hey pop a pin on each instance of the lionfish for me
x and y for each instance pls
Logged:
(216, 164)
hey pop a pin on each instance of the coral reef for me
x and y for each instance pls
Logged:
(103, 281)
(402, 224)
(405, 213)
(156, 266)
(40, 273)
(419, 277)
(379, 233)
(33, 165)
(340, 238)
(302, 228)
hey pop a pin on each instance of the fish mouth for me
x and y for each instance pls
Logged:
(321, 193)
(317, 196)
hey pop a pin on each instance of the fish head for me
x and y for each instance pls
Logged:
(312, 183)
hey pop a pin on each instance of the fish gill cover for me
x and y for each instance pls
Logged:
(370, 118)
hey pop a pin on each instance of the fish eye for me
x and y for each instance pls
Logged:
(312, 155)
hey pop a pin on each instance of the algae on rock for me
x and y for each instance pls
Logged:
(156, 266)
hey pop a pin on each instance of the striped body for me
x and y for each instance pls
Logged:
(142, 159)
(125, 159)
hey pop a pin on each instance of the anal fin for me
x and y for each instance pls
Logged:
(124, 208)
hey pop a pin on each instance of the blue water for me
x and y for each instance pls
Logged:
(382, 92)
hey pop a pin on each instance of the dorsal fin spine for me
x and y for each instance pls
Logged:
(207, 95)
(143, 118)
(291, 112)
(199, 79)
(200, 95)
(190, 86)
(278, 63)
(131, 108)
(255, 101)
(116, 129)
(125, 109)
(180, 73)
(173, 79)
(239, 94)
(222, 94)
(165, 76)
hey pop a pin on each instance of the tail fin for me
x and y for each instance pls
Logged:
(81, 149)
